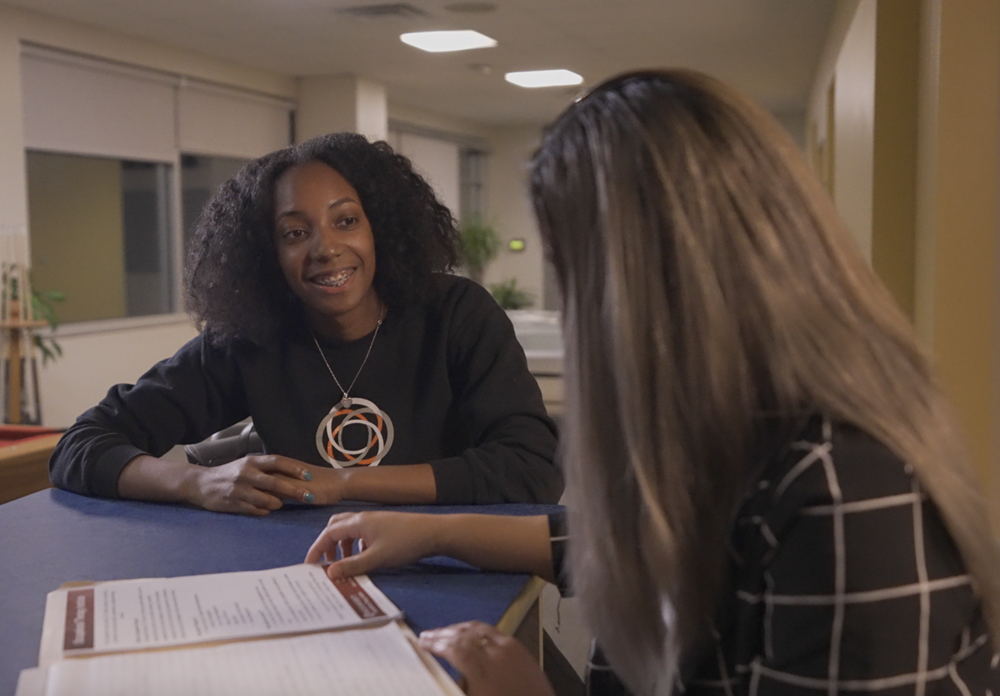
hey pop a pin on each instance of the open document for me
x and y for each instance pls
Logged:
(161, 612)
(366, 661)
(286, 630)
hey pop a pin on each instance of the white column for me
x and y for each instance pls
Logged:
(854, 122)
(330, 103)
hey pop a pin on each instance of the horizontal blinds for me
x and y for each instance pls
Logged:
(87, 106)
(218, 121)
(77, 106)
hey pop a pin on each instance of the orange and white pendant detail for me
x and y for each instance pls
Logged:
(351, 414)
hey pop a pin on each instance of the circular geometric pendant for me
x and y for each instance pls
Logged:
(343, 422)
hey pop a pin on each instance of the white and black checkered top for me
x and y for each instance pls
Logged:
(843, 580)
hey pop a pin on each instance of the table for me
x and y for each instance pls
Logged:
(24, 459)
(52, 536)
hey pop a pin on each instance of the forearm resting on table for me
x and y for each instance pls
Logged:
(496, 542)
(149, 478)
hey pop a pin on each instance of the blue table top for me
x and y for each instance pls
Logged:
(52, 537)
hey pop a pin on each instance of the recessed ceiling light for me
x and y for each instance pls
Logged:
(543, 78)
(441, 41)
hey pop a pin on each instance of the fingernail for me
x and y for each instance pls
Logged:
(308, 477)
(309, 497)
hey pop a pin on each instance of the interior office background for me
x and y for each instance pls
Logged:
(903, 124)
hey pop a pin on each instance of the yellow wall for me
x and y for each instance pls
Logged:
(894, 181)
(935, 185)
(862, 125)
(75, 205)
(959, 222)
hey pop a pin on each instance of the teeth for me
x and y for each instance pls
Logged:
(335, 280)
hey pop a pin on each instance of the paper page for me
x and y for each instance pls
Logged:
(159, 612)
(31, 682)
(444, 680)
(363, 662)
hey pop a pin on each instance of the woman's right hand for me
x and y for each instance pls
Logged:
(390, 539)
(254, 485)
(384, 540)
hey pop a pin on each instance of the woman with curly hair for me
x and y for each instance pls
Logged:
(767, 491)
(318, 276)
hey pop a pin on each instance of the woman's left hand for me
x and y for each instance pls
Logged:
(492, 663)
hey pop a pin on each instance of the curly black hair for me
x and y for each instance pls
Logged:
(234, 287)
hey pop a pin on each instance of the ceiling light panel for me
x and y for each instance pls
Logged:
(443, 41)
(543, 78)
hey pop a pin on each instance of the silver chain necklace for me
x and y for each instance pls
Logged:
(346, 401)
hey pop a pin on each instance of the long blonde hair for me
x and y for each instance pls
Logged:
(707, 280)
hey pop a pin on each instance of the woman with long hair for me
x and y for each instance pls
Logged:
(766, 488)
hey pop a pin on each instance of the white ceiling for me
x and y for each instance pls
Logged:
(767, 48)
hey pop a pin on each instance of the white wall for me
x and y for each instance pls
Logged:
(507, 204)
(334, 103)
(437, 161)
(13, 186)
(848, 62)
(428, 122)
(94, 361)
(854, 113)
(46, 31)
(510, 209)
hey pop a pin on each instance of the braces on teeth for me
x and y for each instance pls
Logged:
(337, 280)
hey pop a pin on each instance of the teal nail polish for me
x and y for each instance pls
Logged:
(309, 497)
(307, 476)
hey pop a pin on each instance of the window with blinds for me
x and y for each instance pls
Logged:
(120, 162)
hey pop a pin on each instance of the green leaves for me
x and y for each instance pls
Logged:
(41, 306)
(509, 296)
(480, 244)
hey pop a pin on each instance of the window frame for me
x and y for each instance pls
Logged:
(272, 114)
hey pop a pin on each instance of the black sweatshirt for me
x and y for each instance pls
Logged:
(449, 373)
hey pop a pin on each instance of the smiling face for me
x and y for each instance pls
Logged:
(326, 250)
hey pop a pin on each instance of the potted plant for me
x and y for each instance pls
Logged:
(22, 312)
(509, 296)
(479, 245)
(41, 303)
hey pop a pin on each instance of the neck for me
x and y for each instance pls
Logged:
(356, 324)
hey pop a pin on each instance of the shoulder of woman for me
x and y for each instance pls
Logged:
(826, 464)
(232, 350)
(455, 291)
(450, 284)
(865, 468)
(825, 472)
